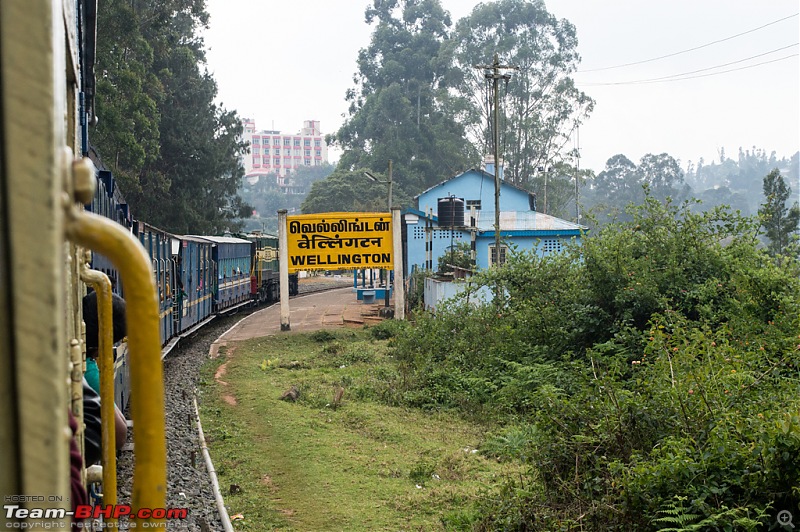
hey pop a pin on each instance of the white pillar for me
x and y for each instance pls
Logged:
(399, 285)
(283, 256)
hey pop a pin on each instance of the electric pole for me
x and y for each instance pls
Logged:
(493, 73)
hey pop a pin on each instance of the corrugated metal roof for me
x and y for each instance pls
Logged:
(524, 221)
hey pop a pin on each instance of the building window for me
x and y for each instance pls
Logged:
(297, 152)
(256, 140)
(255, 151)
(308, 153)
(552, 245)
(317, 143)
(307, 142)
(277, 161)
(493, 255)
(276, 141)
(474, 203)
(266, 151)
(287, 151)
(297, 142)
(318, 153)
(287, 142)
(307, 162)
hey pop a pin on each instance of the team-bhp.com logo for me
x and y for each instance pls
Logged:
(86, 511)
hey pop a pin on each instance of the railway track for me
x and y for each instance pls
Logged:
(189, 484)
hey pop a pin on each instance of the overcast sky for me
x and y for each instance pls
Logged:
(281, 63)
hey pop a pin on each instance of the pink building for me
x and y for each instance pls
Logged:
(282, 153)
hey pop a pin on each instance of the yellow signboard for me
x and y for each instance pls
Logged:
(340, 241)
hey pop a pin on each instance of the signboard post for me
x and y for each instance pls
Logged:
(283, 258)
(399, 285)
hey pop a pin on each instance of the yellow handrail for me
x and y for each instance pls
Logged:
(102, 286)
(147, 385)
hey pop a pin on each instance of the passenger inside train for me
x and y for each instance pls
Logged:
(92, 375)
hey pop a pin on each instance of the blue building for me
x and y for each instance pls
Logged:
(443, 217)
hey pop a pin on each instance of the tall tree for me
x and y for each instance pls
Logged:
(176, 152)
(395, 107)
(128, 97)
(780, 222)
(663, 174)
(541, 105)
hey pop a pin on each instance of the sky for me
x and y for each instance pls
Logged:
(281, 63)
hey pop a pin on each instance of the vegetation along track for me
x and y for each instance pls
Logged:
(189, 484)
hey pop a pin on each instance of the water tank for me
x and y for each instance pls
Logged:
(451, 212)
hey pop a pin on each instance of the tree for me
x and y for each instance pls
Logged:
(616, 186)
(395, 108)
(459, 255)
(128, 96)
(779, 222)
(542, 106)
(176, 152)
(347, 191)
(558, 196)
(306, 176)
(663, 174)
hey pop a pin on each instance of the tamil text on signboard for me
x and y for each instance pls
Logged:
(339, 241)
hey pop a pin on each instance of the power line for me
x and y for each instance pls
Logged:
(668, 78)
(662, 80)
(689, 49)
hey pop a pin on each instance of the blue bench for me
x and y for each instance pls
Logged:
(368, 296)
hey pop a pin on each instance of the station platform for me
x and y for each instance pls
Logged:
(321, 310)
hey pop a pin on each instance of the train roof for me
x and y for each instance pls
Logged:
(217, 239)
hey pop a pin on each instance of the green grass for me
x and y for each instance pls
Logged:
(308, 466)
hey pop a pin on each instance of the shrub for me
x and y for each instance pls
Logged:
(658, 360)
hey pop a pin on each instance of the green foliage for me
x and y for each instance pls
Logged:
(395, 109)
(657, 360)
(422, 472)
(458, 256)
(676, 513)
(175, 152)
(347, 191)
(416, 288)
(779, 221)
(622, 183)
(322, 336)
(541, 104)
(386, 329)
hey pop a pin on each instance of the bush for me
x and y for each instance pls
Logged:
(386, 329)
(659, 360)
(322, 336)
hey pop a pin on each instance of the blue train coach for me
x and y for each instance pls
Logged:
(232, 261)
